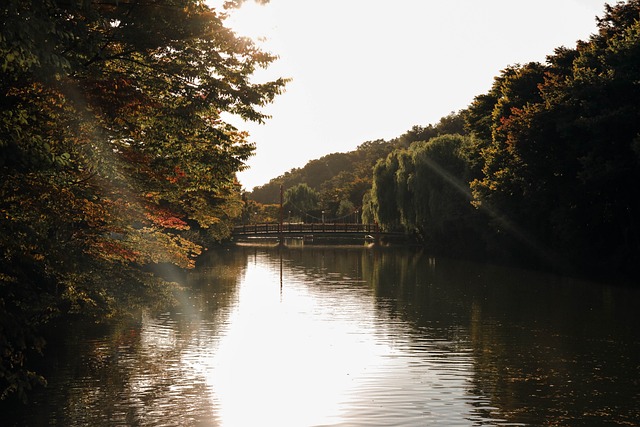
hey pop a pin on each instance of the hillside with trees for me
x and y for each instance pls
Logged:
(541, 169)
(342, 179)
(550, 165)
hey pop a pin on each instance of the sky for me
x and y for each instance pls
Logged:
(364, 70)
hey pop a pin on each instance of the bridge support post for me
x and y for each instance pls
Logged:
(281, 224)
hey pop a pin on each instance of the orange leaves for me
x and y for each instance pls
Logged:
(116, 96)
(114, 250)
(164, 218)
(178, 175)
(146, 246)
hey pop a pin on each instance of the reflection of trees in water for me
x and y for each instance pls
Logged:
(116, 373)
(555, 344)
(324, 263)
(410, 284)
(213, 285)
(545, 348)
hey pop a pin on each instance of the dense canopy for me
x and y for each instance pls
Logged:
(114, 155)
(540, 169)
(551, 163)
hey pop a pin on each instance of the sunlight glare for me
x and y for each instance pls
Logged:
(283, 360)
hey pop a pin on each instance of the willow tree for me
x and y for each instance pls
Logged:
(424, 190)
(441, 196)
(301, 199)
(112, 147)
(382, 200)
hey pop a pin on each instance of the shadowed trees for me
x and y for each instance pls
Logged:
(424, 190)
(562, 163)
(113, 153)
(550, 165)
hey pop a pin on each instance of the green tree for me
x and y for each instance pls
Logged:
(368, 215)
(383, 193)
(561, 159)
(301, 200)
(403, 188)
(113, 152)
(425, 191)
(345, 211)
(444, 216)
(600, 126)
(452, 124)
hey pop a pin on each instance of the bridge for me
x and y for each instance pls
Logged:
(283, 229)
(290, 230)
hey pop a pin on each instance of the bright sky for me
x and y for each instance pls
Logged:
(370, 69)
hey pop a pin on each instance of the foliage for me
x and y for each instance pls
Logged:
(550, 166)
(345, 209)
(452, 124)
(346, 177)
(382, 197)
(301, 199)
(440, 190)
(113, 153)
(561, 162)
(424, 190)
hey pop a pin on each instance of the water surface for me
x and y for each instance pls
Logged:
(339, 336)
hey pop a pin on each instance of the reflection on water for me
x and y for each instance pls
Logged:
(332, 336)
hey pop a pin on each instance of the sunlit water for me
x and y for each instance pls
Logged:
(356, 337)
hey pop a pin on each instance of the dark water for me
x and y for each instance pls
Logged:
(336, 336)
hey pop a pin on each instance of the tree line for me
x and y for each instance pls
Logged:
(548, 171)
(542, 169)
(114, 157)
(336, 182)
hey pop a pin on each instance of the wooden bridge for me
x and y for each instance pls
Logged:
(283, 230)
(289, 230)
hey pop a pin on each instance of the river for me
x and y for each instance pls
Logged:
(351, 336)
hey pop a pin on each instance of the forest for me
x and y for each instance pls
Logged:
(114, 157)
(116, 160)
(541, 170)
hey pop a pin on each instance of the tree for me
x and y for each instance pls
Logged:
(404, 191)
(441, 192)
(561, 155)
(301, 200)
(425, 190)
(113, 152)
(345, 212)
(383, 193)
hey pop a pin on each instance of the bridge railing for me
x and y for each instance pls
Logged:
(299, 228)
